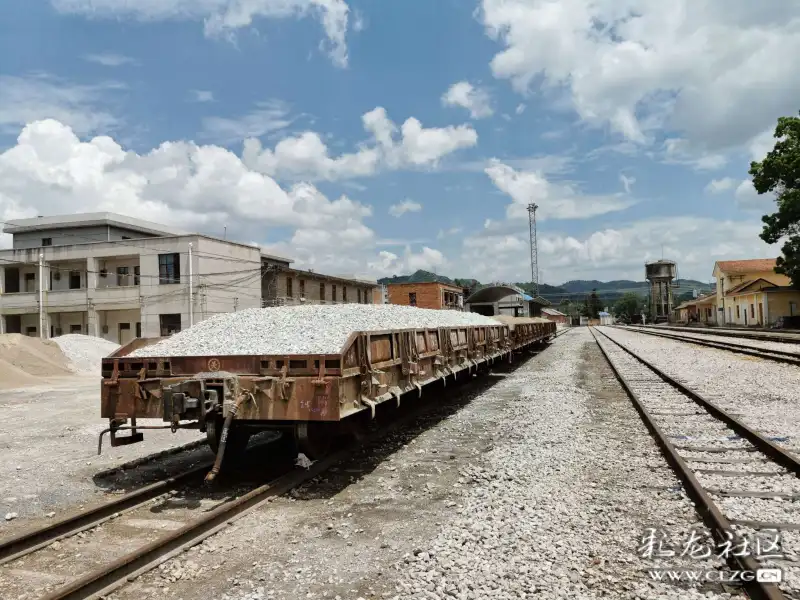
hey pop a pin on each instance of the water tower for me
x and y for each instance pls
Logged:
(660, 274)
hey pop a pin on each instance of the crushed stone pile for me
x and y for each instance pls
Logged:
(316, 329)
(85, 352)
(26, 361)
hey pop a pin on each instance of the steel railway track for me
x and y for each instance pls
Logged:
(782, 336)
(784, 356)
(671, 410)
(31, 551)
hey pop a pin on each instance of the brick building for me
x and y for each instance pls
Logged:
(433, 295)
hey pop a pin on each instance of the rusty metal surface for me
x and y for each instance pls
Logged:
(374, 367)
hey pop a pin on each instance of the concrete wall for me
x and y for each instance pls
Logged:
(727, 281)
(748, 309)
(226, 277)
(74, 235)
(782, 304)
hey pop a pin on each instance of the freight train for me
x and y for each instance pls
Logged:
(313, 397)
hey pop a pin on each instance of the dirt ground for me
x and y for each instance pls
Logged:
(48, 445)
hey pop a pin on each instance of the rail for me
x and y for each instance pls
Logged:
(721, 528)
(783, 356)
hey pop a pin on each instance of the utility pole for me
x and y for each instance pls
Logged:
(534, 249)
(191, 289)
(42, 323)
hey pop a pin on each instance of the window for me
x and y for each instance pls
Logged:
(74, 280)
(169, 268)
(302, 288)
(737, 312)
(47, 241)
(792, 308)
(125, 237)
(30, 282)
(322, 291)
(122, 276)
(138, 330)
(136, 271)
(333, 292)
(75, 328)
(289, 290)
(344, 293)
(169, 324)
(358, 295)
(31, 331)
(412, 299)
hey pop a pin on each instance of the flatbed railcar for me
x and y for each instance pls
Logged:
(312, 395)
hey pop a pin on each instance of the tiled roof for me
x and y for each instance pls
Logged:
(745, 284)
(754, 265)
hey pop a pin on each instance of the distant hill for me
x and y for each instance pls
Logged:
(574, 290)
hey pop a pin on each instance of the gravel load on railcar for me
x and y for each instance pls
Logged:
(311, 329)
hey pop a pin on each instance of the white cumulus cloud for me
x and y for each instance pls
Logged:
(398, 210)
(555, 200)
(475, 100)
(307, 156)
(179, 183)
(223, 17)
(633, 64)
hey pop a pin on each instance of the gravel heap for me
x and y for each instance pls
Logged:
(314, 329)
(85, 352)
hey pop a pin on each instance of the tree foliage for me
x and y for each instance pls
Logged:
(592, 305)
(779, 174)
(629, 305)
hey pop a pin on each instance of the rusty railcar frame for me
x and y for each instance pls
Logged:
(283, 390)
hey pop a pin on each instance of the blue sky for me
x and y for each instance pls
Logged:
(632, 134)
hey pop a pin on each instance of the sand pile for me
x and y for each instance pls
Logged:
(27, 361)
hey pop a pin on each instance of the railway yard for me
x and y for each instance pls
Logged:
(396, 453)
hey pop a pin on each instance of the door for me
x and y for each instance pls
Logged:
(760, 313)
(125, 333)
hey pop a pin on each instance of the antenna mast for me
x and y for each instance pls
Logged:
(534, 249)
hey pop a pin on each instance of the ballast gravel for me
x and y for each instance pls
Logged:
(85, 352)
(764, 394)
(744, 342)
(313, 329)
(557, 508)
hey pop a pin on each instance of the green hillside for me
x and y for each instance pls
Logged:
(574, 290)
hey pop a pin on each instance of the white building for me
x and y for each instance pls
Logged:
(115, 277)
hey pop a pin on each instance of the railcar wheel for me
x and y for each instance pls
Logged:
(315, 438)
(236, 445)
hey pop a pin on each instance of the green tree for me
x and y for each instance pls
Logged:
(629, 305)
(592, 305)
(779, 174)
